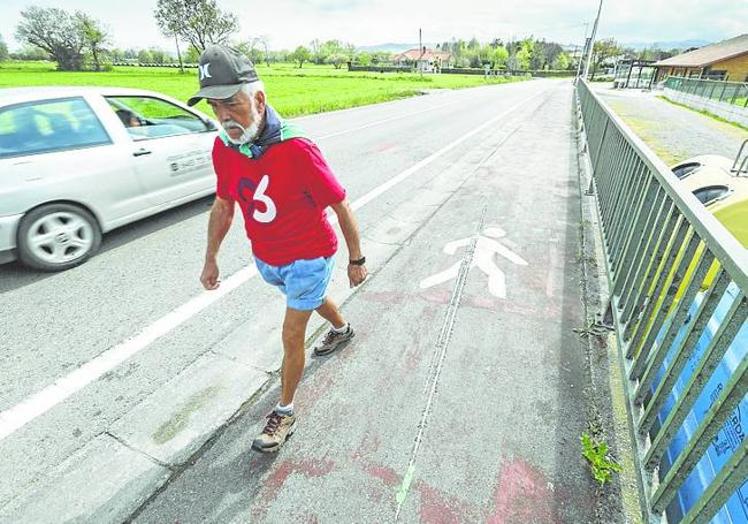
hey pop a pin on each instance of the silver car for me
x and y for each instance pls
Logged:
(78, 162)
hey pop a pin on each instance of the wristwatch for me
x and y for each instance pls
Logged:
(360, 262)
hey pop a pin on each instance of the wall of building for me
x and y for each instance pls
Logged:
(737, 68)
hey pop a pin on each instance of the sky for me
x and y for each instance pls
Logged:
(288, 23)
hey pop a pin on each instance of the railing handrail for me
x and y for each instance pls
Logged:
(707, 80)
(731, 254)
(671, 268)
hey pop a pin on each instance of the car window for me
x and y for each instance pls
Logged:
(146, 117)
(51, 125)
(683, 170)
(709, 194)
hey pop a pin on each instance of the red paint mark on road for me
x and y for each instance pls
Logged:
(369, 444)
(436, 508)
(385, 147)
(522, 495)
(387, 297)
(307, 467)
(387, 475)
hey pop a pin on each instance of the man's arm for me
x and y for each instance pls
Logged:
(356, 274)
(221, 215)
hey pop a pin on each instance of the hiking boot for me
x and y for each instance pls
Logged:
(334, 341)
(277, 430)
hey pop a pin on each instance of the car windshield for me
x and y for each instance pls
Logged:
(147, 117)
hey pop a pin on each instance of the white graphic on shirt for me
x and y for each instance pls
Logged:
(270, 212)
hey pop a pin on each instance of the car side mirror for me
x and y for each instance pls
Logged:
(210, 125)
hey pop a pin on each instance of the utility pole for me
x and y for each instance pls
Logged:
(420, 51)
(582, 53)
(592, 41)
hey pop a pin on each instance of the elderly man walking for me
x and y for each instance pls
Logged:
(283, 186)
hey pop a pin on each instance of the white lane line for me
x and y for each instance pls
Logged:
(39, 403)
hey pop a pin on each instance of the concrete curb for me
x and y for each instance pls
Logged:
(608, 404)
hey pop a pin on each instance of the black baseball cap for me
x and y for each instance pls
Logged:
(222, 71)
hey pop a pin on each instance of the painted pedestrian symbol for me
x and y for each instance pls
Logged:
(485, 249)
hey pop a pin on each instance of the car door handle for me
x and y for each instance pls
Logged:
(140, 152)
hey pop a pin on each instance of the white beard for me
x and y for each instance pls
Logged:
(249, 133)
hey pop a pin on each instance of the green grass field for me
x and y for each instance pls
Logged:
(292, 91)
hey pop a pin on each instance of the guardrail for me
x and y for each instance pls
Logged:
(735, 93)
(673, 269)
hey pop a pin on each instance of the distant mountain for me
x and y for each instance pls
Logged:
(392, 47)
(673, 44)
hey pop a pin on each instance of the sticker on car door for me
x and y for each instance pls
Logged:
(188, 162)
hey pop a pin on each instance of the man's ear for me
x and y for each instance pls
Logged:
(261, 101)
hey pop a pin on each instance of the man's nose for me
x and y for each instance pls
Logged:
(222, 114)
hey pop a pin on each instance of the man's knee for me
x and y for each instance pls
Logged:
(294, 328)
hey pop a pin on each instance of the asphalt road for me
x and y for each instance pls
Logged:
(500, 414)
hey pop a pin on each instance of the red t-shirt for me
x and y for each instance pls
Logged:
(283, 195)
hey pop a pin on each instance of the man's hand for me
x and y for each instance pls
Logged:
(209, 277)
(356, 274)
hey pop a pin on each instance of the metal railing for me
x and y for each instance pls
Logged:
(735, 93)
(663, 251)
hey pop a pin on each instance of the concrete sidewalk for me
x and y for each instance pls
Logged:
(463, 397)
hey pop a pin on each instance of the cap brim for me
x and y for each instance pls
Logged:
(217, 92)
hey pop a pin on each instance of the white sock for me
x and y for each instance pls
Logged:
(341, 329)
(284, 410)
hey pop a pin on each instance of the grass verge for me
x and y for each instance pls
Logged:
(291, 90)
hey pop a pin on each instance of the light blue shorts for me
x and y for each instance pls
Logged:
(304, 282)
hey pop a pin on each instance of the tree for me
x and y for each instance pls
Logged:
(338, 59)
(602, 51)
(55, 31)
(318, 53)
(193, 55)
(381, 57)
(499, 57)
(261, 42)
(158, 56)
(364, 59)
(145, 57)
(30, 52)
(523, 55)
(562, 62)
(3, 50)
(301, 54)
(94, 36)
(250, 49)
(198, 22)
(117, 54)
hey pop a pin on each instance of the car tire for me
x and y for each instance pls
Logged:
(56, 237)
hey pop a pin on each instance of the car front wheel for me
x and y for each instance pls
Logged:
(56, 237)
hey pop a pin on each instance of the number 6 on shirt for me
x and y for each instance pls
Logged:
(268, 215)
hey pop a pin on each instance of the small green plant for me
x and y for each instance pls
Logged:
(601, 464)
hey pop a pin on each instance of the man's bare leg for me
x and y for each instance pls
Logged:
(330, 312)
(294, 332)
(339, 335)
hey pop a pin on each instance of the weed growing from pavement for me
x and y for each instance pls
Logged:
(601, 463)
